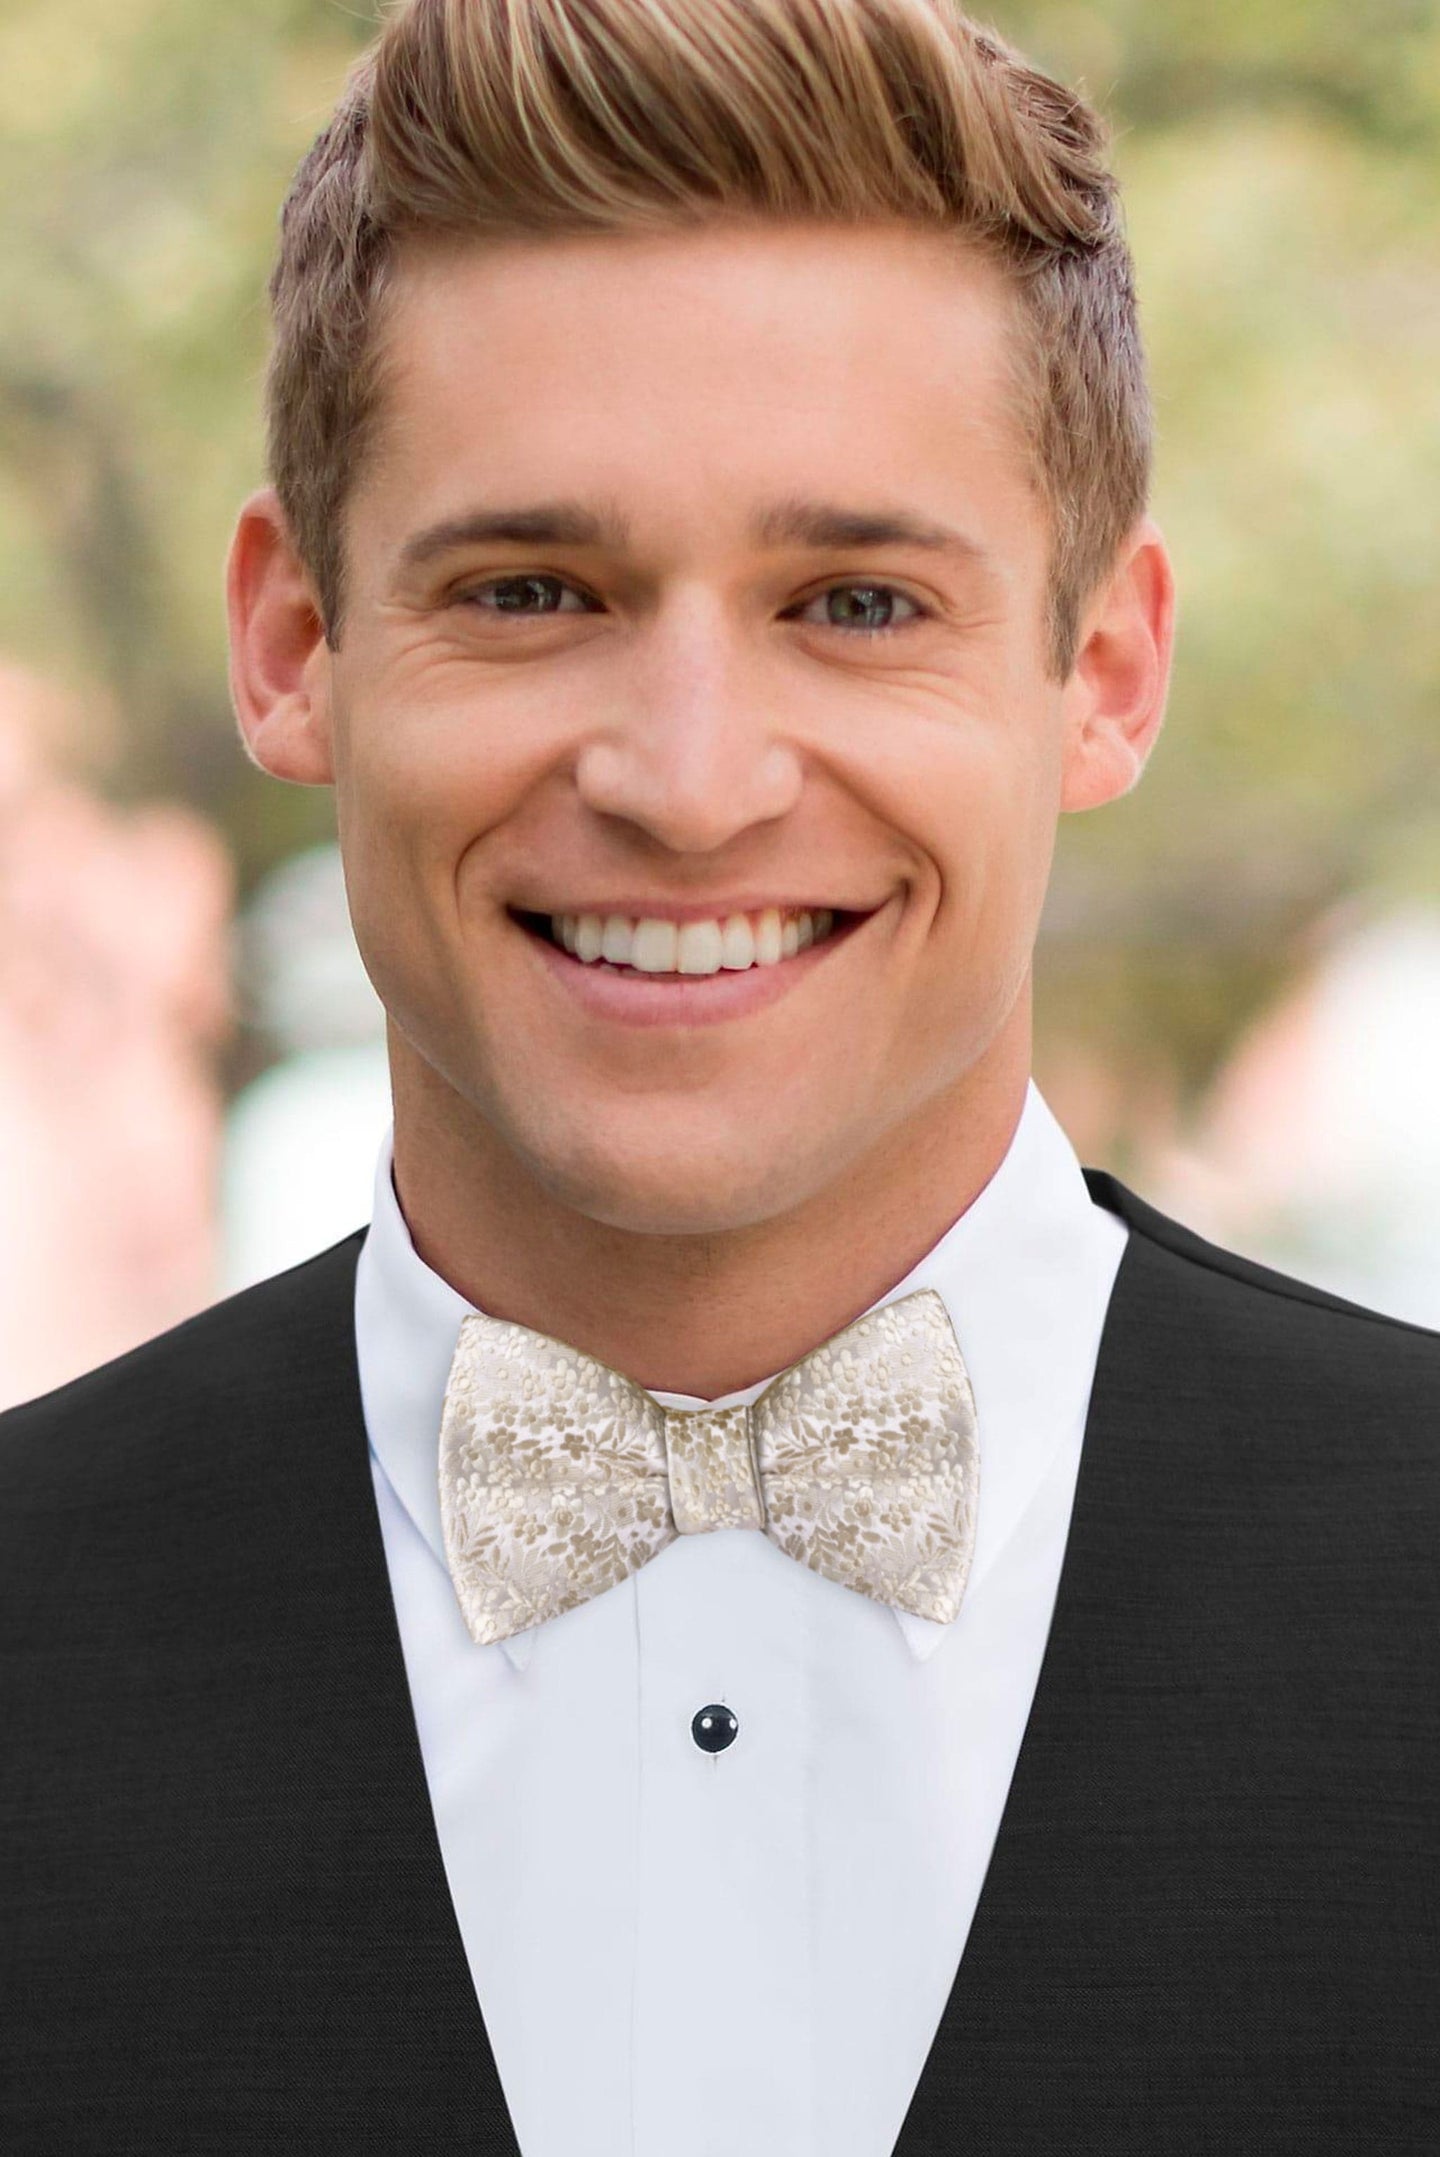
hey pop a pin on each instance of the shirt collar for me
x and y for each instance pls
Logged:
(1025, 1274)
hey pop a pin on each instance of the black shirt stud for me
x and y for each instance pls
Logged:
(714, 1728)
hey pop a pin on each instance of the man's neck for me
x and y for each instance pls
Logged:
(697, 1314)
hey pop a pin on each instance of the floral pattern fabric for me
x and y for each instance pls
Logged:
(559, 1477)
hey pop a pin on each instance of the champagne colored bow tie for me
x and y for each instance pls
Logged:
(559, 1476)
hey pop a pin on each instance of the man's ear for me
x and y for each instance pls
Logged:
(1114, 701)
(279, 660)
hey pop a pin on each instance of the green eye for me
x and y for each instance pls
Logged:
(869, 608)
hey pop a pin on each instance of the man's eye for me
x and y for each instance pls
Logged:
(871, 608)
(529, 595)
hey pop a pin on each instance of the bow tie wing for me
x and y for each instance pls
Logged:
(869, 1458)
(553, 1479)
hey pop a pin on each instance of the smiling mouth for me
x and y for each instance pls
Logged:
(669, 950)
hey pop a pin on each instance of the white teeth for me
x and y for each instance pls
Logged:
(615, 940)
(652, 947)
(737, 942)
(655, 946)
(589, 936)
(769, 944)
(701, 948)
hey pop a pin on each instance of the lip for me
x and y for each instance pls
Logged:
(699, 910)
(690, 999)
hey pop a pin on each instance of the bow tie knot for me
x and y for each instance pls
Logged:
(559, 1476)
(714, 1476)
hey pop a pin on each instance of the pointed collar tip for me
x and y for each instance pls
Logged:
(923, 1635)
(519, 1647)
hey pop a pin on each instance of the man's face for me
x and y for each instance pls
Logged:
(750, 618)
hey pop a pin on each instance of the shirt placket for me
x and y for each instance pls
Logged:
(722, 2044)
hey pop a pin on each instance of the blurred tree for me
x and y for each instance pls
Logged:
(145, 146)
(1283, 196)
(1283, 200)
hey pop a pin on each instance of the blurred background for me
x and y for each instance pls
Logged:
(1238, 1001)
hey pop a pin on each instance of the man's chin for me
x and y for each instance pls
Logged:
(683, 1191)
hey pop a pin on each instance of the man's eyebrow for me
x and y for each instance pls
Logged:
(790, 523)
(540, 524)
(828, 524)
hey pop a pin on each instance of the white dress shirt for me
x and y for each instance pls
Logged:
(745, 1953)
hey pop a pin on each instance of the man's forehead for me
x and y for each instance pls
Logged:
(817, 449)
(753, 277)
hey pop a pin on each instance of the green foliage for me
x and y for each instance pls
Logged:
(1283, 199)
(145, 146)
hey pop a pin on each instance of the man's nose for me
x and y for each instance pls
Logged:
(693, 749)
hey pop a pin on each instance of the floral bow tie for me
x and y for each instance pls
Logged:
(558, 1476)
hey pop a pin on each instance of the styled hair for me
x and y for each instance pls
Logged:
(513, 117)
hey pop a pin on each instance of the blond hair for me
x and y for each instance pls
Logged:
(506, 117)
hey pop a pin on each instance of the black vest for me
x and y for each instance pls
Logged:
(1209, 1923)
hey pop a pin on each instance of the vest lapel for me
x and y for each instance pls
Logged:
(1025, 2019)
(383, 1996)
(1123, 1944)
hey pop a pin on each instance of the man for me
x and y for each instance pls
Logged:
(759, 1609)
